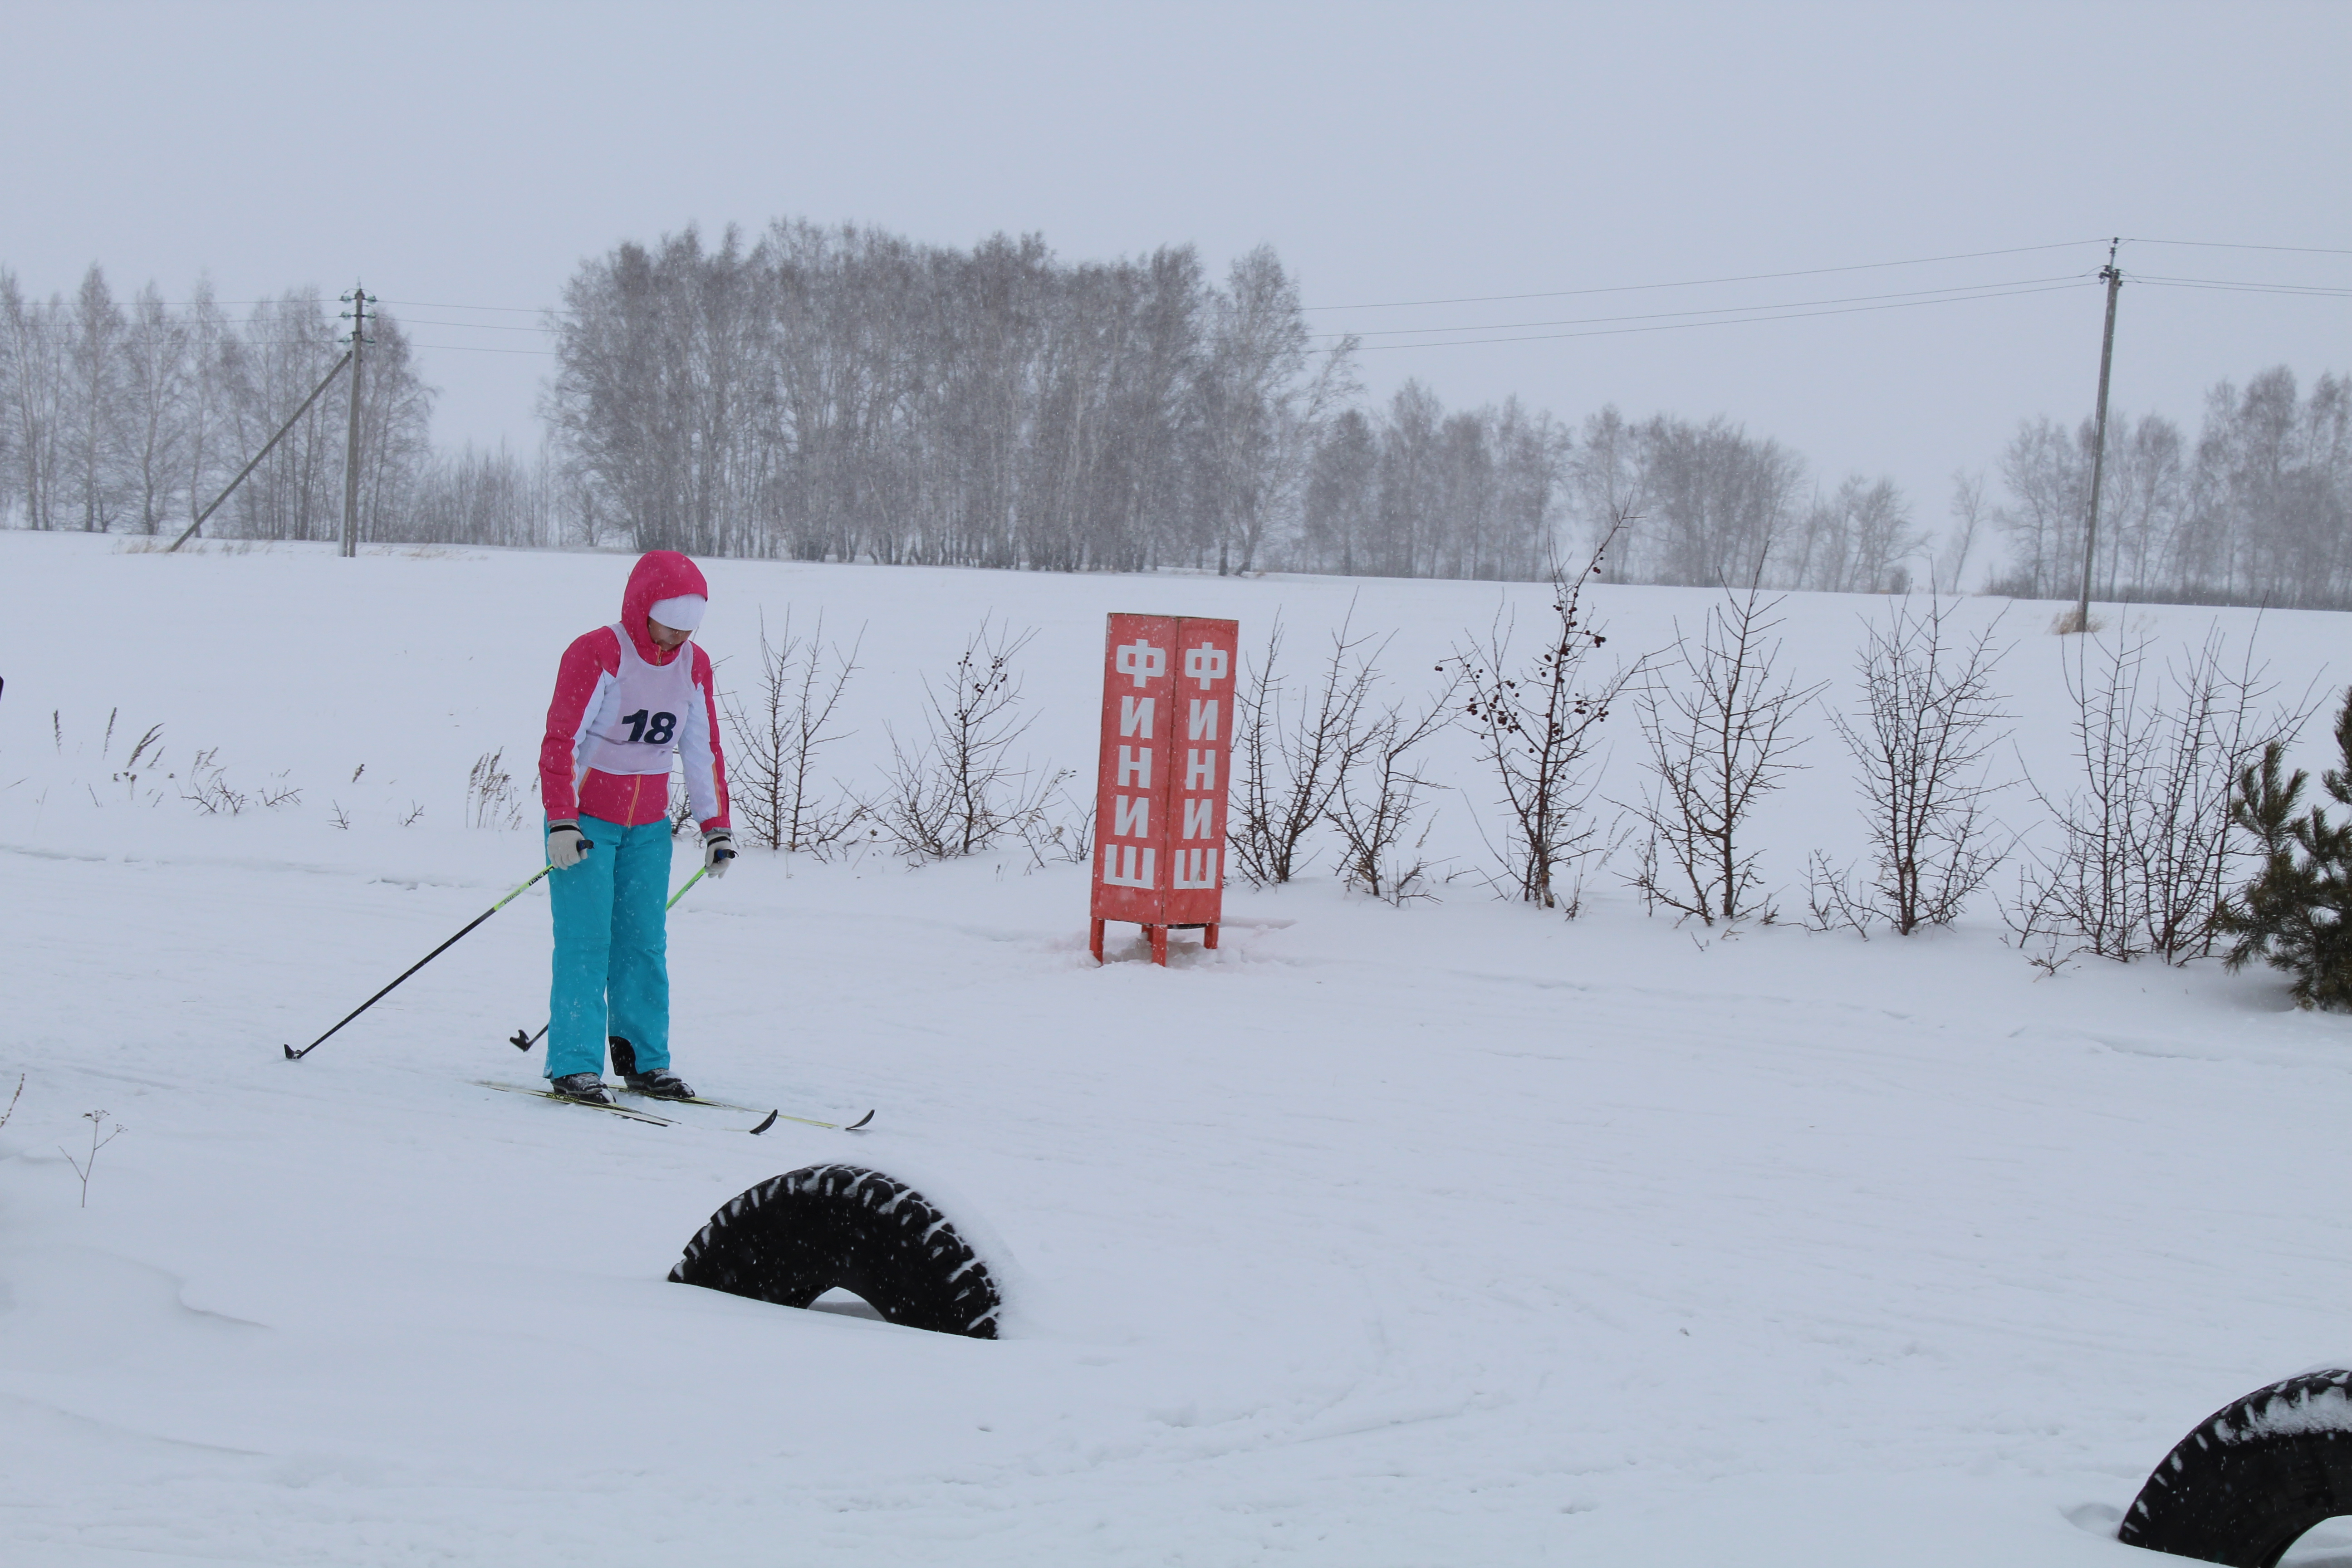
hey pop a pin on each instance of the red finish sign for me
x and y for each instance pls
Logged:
(1159, 790)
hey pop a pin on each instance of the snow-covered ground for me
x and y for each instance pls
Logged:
(1454, 1234)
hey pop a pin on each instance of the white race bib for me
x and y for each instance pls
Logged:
(636, 728)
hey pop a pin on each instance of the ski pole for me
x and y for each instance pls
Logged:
(294, 1056)
(522, 1042)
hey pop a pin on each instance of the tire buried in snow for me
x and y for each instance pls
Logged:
(794, 1236)
(2253, 1476)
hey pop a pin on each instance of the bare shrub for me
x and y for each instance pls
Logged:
(1378, 797)
(208, 788)
(209, 791)
(682, 821)
(1066, 836)
(1921, 740)
(959, 790)
(1292, 760)
(1831, 902)
(2148, 842)
(491, 797)
(780, 731)
(1719, 739)
(84, 1166)
(1537, 725)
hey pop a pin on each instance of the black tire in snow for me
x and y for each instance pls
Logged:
(2253, 1476)
(794, 1236)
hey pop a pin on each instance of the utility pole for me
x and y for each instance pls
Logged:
(2113, 278)
(359, 300)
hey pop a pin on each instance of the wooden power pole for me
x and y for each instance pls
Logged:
(2113, 278)
(357, 315)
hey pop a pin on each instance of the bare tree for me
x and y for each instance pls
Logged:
(1413, 492)
(1719, 739)
(1951, 563)
(960, 789)
(157, 396)
(1854, 541)
(780, 732)
(1261, 405)
(98, 410)
(35, 373)
(1380, 798)
(1717, 502)
(2271, 494)
(2147, 843)
(1292, 760)
(1921, 740)
(1537, 725)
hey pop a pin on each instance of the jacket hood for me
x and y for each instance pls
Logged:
(658, 575)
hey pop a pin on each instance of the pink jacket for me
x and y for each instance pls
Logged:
(585, 681)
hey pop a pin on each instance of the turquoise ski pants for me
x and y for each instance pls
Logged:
(611, 949)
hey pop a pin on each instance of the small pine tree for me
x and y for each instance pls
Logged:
(2296, 914)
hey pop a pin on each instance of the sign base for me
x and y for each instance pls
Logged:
(1158, 938)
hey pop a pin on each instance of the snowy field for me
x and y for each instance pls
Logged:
(1458, 1234)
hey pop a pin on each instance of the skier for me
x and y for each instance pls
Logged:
(626, 696)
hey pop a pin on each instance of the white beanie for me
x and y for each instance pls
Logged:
(682, 614)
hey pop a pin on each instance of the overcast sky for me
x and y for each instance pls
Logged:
(470, 155)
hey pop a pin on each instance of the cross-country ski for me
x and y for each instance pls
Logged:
(637, 1113)
(860, 1125)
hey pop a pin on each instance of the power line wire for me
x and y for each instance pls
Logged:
(1683, 326)
(2224, 245)
(2299, 290)
(411, 344)
(1658, 321)
(1957, 290)
(472, 326)
(510, 309)
(1473, 299)
(472, 348)
(1704, 282)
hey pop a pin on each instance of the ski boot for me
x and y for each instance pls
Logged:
(586, 1087)
(659, 1083)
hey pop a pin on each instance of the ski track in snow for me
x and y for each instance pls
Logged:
(1454, 1234)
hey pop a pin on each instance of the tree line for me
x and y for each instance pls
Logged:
(846, 394)
(130, 417)
(2256, 510)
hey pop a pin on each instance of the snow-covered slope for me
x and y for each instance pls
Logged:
(1456, 1233)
